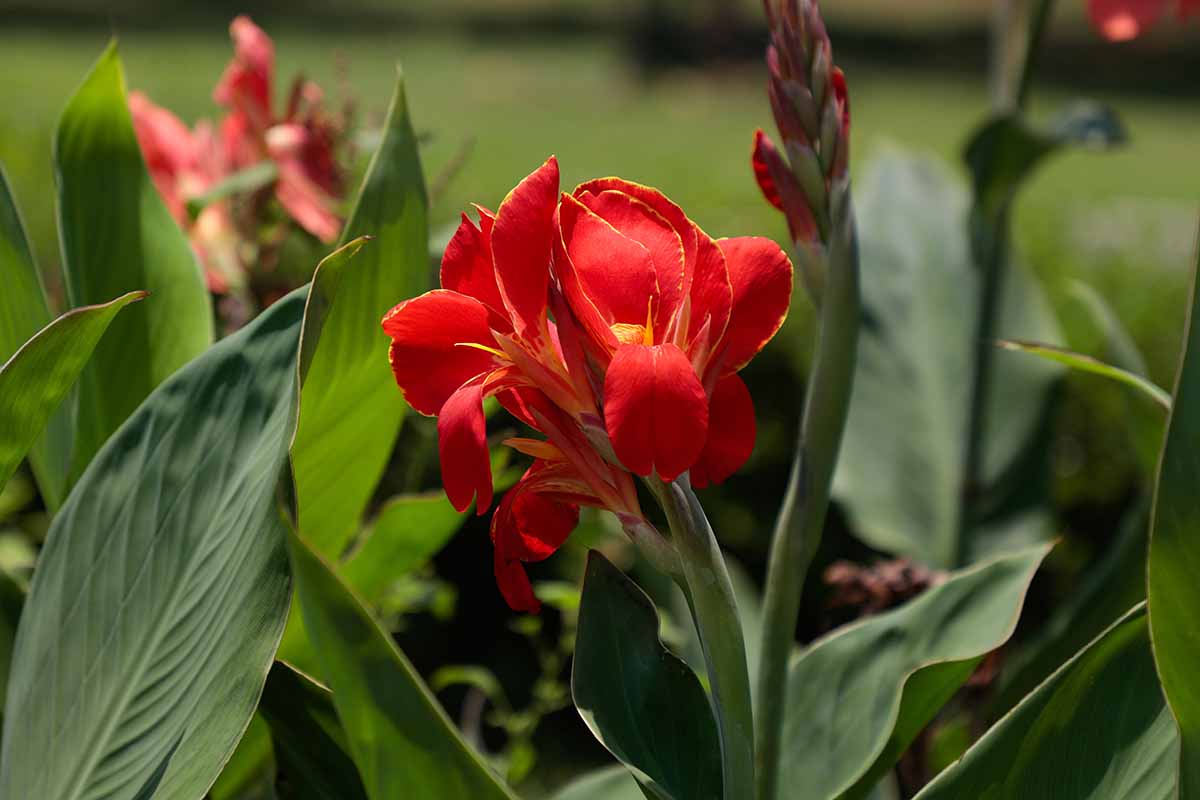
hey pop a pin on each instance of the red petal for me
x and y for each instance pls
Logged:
(427, 359)
(1121, 20)
(655, 410)
(467, 263)
(731, 433)
(246, 83)
(761, 275)
(167, 148)
(639, 222)
(763, 151)
(515, 586)
(522, 239)
(463, 450)
(711, 291)
(306, 202)
(780, 187)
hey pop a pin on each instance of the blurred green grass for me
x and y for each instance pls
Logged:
(1124, 221)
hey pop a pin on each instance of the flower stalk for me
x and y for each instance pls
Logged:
(705, 582)
(812, 188)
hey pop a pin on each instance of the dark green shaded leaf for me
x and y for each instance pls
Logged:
(38, 377)
(1097, 729)
(641, 701)
(117, 237)
(24, 312)
(1174, 562)
(400, 738)
(901, 467)
(858, 698)
(12, 599)
(351, 407)
(160, 595)
(310, 745)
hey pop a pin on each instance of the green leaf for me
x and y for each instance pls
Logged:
(39, 376)
(1172, 590)
(160, 595)
(1085, 363)
(351, 407)
(310, 744)
(399, 736)
(244, 181)
(857, 698)
(117, 236)
(901, 466)
(1007, 148)
(12, 599)
(609, 783)
(639, 700)
(1097, 729)
(24, 312)
(409, 530)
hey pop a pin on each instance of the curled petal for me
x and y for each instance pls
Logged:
(636, 220)
(781, 188)
(467, 263)
(306, 202)
(614, 271)
(428, 355)
(731, 431)
(1121, 20)
(522, 240)
(655, 410)
(530, 525)
(710, 293)
(761, 275)
(463, 450)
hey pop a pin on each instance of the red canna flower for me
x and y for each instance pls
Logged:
(301, 142)
(605, 320)
(1122, 20)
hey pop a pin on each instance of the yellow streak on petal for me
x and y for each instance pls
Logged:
(497, 353)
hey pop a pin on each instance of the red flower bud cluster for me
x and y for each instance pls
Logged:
(609, 323)
(1121, 20)
(302, 143)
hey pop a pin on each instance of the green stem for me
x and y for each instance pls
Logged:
(714, 610)
(802, 516)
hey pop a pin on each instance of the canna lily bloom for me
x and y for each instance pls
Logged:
(183, 164)
(608, 322)
(1122, 20)
(301, 142)
(670, 316)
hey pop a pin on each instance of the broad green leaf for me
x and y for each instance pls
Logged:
(117, 237)
(1097, 729)
(310, 744)
(409, 530)
(609, 783)
(351, 407)
(160, 595)
(400, 738)
(38, 377)
(857, 698)
(1085, 363)
(1173, 589)
(901, 467)
(639, 700)
(24, 312)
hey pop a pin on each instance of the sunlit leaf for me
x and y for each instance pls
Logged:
(34, 382)
(857, 698)
(1085, 363)
(24, 312)
(117, 237)
(160, 595)
(399, 737)
(351, 409)
(1174, 562)
(610, 783)
(1097, 729)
